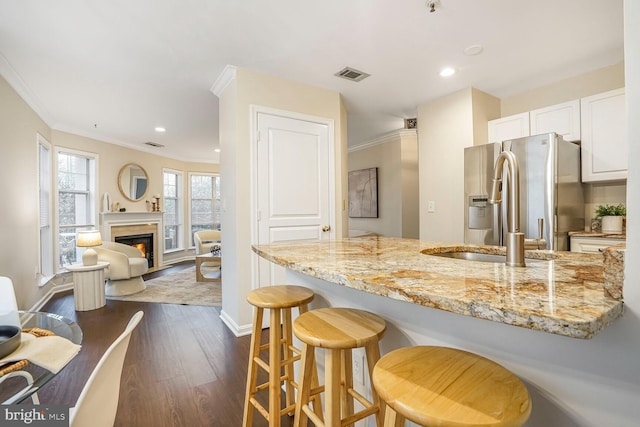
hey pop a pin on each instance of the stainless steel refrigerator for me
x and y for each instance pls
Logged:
(551, 194)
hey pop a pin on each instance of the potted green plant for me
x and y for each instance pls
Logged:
(611, 217)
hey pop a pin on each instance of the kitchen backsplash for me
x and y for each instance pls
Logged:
(600, 194)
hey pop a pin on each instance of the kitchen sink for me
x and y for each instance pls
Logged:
(472, 256)
(468, 254)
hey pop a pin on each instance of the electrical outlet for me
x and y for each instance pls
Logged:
(431, 206)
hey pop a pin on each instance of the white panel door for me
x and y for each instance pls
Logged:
(293, 185)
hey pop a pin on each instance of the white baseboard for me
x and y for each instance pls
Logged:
(238, 331)
(50, 293)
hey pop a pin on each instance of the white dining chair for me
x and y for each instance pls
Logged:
(8, 304)
(9, 316)
(98, 401)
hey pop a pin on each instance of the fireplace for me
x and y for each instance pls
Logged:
(119, 226)
(144, 242)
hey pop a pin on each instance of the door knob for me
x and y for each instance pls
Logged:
(326, 228)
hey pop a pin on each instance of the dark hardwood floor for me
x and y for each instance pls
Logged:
(183, 367)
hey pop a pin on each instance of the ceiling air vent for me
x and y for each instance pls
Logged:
(154, 144)
(351, 74)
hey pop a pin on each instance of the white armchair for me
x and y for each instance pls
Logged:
(204, 239)
(126, 267)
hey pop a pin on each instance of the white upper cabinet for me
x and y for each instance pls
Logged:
(563, 119)
(604, 137)
(510, 127)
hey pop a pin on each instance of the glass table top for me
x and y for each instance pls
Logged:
(16, 389)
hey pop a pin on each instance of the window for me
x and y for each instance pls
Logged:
(76, 201)
(172, 210)
(205, 202)
(45, 264)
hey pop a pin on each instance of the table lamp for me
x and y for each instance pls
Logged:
(87, 239)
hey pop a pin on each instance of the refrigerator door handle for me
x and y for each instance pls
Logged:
(540, 228)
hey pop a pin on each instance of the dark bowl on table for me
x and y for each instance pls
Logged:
(9, 339)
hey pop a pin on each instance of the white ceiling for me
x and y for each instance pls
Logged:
(113, 70)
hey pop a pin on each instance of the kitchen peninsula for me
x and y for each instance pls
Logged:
(560, 292)
(429, 299)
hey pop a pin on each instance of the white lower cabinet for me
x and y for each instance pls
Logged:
(593, 244)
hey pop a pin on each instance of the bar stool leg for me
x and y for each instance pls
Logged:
(392, 418)
(317, 400)
(275, 351)
(332, 387)
(347, 384)
(252, 370)
(373, 355)
(304, 389)
(287, 333)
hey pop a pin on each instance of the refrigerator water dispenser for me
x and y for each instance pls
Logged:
(480, 212)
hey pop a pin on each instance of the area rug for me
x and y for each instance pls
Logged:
(178, 288)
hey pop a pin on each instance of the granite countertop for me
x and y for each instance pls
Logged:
(565, 293)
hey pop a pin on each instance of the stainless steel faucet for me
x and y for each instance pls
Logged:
(515, 238)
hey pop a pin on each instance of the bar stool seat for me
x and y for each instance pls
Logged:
(440, 386)
(338, 331)
(282, 354)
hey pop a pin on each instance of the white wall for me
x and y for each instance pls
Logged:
(445, 128)
(410, 187)
(631, 334)
(396, 157)
(485, 107)
(19, 230)
(241, 90)
(597, 81)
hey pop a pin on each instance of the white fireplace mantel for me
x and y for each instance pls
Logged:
(108, 220)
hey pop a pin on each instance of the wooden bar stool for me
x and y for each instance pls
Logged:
(282, 354)
(338, 331)
(439, 386)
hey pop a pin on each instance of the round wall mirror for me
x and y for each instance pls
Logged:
(133, 182)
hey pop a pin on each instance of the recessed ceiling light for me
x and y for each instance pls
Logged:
(160, 129)
(217, 150)
(447, 72)
(474, 49)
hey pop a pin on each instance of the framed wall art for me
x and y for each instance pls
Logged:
(363, 193)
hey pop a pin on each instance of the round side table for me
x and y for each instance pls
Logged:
(88, 285)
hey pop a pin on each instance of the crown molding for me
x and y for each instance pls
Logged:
(382, 139)
(22, 89)
(224, 79)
